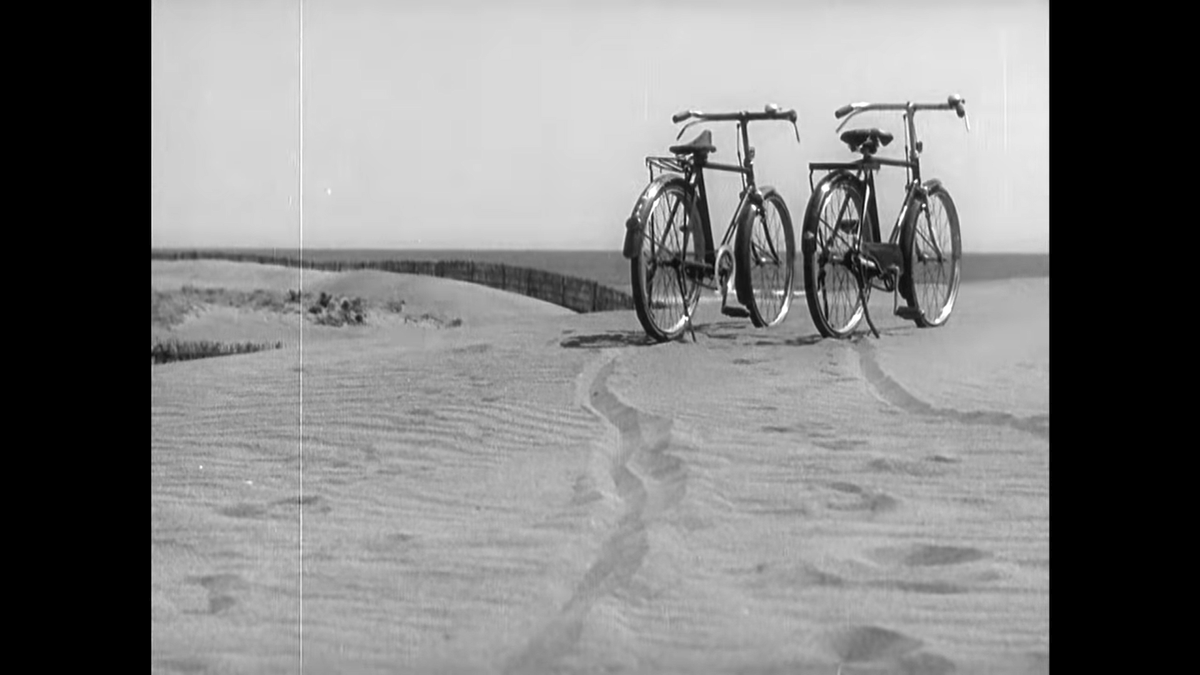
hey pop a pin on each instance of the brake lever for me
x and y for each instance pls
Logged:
(686, 127)
(967, 121)
(797, 130)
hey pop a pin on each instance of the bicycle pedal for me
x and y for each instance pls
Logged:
(910, 313)
(737, 312)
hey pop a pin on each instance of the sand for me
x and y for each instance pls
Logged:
(541, 491)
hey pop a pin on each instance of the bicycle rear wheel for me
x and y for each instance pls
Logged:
(932, 250)
(833, 232)
(663, 295)
(766, 261)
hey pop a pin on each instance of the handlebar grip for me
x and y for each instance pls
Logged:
(681, 116)
(957, 102)
(843, 111)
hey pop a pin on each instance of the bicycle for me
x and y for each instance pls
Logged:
(849, 243)
(680, 183)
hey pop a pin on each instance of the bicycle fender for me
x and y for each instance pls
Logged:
(929, 186)
(807, 243)
(633, 238)
(633, 225)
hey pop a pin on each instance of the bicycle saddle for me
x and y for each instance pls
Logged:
(867, 141)
(700, 145)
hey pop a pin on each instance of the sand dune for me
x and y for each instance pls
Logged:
(426, 301)
(540, 491)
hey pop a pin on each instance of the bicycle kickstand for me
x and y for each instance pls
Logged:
(683, 298)
(862, 297)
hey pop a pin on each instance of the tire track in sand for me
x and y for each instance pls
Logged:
(894, 393)
(648, 481)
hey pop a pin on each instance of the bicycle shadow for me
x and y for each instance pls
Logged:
(638, 338)
(608, 340)
(735, 333)
(741, 334)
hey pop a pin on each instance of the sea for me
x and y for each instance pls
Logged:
(611, 269)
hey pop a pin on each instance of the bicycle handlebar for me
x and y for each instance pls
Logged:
(954, 102)
(770, 112)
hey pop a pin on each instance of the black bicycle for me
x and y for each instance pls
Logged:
(844, 256)
(668, 238)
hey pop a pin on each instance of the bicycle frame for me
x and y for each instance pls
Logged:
(864, 170)
(872, 259)
(692, 169)
(866, 167)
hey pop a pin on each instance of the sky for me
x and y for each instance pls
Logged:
(524, 124)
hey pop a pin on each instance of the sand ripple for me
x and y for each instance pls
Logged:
(551, 495)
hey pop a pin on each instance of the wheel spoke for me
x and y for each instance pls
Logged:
(665, 301)
(836, 227)
(767, 265)
(933, 256)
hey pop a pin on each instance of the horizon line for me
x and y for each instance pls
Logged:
(470, 250)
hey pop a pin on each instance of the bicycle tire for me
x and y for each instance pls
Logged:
(919, 245)
(642, 272)
(760, 313)
(815, 250)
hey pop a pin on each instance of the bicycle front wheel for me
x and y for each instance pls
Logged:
(932, 250)
(664, 294)
(766, 261)
(834, 228)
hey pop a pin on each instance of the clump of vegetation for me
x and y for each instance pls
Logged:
(170, 308)
(428, 318)
(167, 351)
(330, 311)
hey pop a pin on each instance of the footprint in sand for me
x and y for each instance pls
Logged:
(835, 444)
(864, 500)
(919, 560)
(278, 509)
(861, 645)
(221, 589)
(243, 511)
(906, 467)
(924, 555)
(926, 587)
